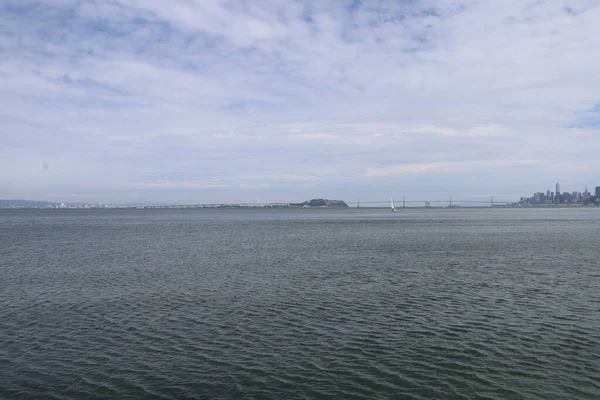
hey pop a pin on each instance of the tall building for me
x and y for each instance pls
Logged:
(586, 194)
(557, 196)
(597, 191)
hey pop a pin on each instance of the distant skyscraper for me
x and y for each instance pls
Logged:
(557, 196)
(597, 191)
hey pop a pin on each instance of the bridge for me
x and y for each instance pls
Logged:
(436, 203)
(371, 203)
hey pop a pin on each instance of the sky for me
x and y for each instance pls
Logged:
(200, 101)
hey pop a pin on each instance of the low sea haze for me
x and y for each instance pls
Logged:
(482, 303)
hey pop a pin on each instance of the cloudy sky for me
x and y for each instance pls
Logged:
(195, 101)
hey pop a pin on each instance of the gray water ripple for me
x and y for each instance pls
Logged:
(333, 304)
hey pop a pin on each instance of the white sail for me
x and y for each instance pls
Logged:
(393, 206)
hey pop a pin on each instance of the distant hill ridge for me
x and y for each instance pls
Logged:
(26, 203)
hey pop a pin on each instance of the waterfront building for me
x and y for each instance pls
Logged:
(554, 198)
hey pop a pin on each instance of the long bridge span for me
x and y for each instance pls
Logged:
(435, 203)
(403, 203)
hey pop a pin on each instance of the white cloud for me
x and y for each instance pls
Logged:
(178, 185)
(445, 167)
(206, 95)
(313, 136)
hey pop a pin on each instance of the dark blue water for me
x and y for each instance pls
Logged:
(202, 304)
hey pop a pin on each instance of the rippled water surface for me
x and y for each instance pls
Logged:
(285, 304)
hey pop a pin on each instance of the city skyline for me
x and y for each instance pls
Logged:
(558, 197)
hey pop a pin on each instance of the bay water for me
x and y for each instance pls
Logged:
(300, 303)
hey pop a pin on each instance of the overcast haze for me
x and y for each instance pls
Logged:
(200, 101)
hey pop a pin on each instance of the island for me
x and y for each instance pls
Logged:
(321, 203)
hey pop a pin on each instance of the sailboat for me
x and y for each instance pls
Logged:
(393, 207)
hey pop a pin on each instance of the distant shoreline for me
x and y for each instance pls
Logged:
(224, 207)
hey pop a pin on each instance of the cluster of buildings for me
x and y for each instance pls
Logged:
(557, 197)
(81, 205)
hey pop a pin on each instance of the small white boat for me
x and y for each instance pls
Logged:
(393, 206)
